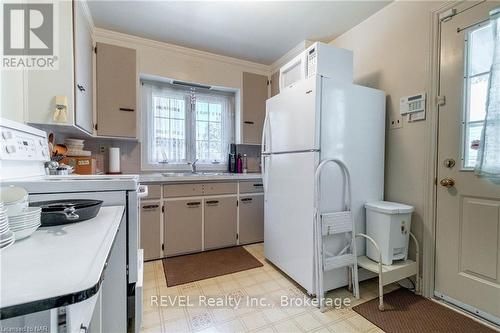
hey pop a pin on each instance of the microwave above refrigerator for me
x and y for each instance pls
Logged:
(318, 59)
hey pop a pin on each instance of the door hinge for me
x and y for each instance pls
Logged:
(237, 202)
(95, 126)
(268, 82)
(237, 236)
(162, 247)
(440, 100)
(435, 181)
(95, 49)
(163, 208)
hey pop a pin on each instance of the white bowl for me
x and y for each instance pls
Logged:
(17, 208)
(25, 232)
(13, 194)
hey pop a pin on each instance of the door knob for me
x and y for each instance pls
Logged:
(447, 182)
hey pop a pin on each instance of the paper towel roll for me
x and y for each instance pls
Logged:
(114, 160)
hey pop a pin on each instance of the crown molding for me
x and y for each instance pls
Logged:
(126, 38)
(290, 55)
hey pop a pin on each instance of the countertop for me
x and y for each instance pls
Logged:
(57, 265)
(168, 177)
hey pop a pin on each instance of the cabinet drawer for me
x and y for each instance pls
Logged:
(252, 186)
(182, 190)
(154, 192)
(219, 188)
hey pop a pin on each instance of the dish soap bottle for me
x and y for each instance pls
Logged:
(239, 164)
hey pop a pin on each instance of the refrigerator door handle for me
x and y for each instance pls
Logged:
(264, 172)
(264, 136)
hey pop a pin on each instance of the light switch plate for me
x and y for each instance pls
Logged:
(395, 122)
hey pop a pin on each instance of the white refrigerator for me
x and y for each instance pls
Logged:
(316, 119)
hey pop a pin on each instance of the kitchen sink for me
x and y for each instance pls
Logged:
(193, 174)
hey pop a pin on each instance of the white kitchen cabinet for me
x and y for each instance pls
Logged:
(220, 222)
(254, 98)
(183, 226)
(84, 87)
(150, 229)
(251, 209)
(116, 78)
(114, 286)
(74, 68)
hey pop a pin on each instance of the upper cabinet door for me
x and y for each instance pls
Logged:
(254, 107)
(83, 44)
(275, 83)
(116, 91)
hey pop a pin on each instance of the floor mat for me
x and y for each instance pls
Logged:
(407, 312)
(204, 265)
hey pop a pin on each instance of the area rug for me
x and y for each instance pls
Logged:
(407, 312)
(205, 265)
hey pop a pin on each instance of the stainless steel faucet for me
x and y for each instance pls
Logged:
(193, 165)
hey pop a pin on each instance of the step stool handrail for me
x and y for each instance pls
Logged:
(347, 185)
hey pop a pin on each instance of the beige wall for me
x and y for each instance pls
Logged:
(169, 61)
(391, 53)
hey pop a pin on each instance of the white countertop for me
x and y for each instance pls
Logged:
(167, 177)
(76, 183)
(57, 261)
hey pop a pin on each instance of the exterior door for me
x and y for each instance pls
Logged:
(467, 268)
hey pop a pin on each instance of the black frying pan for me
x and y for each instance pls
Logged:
(57, 212)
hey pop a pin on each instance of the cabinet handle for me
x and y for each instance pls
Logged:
(258, 185)
(193, 204)
(150, 206)
(83, 328)
(248, 122)
(127, 109)
(212, 202)
(80, 87)
(246, 199)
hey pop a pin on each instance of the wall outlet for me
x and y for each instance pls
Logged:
(395, 121)
(102, 149)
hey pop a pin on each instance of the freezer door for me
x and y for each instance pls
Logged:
(289, 212)
(293, 117)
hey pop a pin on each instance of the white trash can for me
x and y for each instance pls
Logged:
(388, 223)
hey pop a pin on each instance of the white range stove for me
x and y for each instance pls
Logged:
(23, 154)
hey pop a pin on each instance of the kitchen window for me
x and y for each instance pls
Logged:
(479, 53)
(181, 124)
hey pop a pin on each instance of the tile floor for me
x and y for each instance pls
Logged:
(165, 309)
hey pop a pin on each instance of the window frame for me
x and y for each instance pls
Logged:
(464, 133)
(190, 128)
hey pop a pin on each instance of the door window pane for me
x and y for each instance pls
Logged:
(479, 53)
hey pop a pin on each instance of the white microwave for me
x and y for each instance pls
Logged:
(318, 59)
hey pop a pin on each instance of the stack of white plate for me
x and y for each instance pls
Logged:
(6, 236)
(22, 220)
(75, 148)
(25, 223)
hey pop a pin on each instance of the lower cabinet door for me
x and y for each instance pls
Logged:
(114, 286)
(183, 226)
(220, 222)
(251, 219)
(150, 229)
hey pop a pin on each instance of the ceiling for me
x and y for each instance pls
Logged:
(257, 31)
